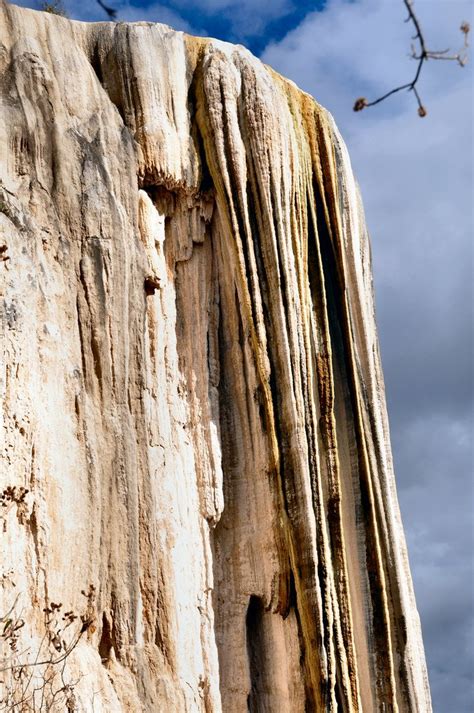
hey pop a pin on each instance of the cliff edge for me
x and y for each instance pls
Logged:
(196, 456)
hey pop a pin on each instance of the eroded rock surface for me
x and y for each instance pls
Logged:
(191, 383)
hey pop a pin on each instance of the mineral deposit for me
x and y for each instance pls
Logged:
(193, 402)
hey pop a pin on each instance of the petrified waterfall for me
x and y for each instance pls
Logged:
(194, 413)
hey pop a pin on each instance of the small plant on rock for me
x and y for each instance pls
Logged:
(54, 7)
(38, 681)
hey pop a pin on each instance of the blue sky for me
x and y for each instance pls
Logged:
(251, 22)
(248, 22)
(416, 177)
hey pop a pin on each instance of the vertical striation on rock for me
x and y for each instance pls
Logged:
(191, 383)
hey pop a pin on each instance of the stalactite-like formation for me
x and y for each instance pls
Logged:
(191, 381)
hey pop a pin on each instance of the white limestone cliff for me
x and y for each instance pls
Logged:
(194, 419)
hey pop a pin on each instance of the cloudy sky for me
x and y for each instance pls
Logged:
(417, 184)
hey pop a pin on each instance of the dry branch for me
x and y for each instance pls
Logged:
(421, 54)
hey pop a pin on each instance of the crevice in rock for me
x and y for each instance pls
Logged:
(207, 183)
(257, 656)
(107, 640)
(162, 198)
(96, 64)
(95, 350)
(80, 323)
(150, 285)
(339, 699)
(108, 75)
(310, 702)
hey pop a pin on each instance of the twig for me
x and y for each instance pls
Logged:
(422, 56)
(51, 661)
(111, 12)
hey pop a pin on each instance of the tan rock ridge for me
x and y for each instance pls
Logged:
(192, 395)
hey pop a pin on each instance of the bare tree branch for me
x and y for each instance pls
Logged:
(40, 682)
(111, 12)
(422, 55)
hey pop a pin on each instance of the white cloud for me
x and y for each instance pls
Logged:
(246, 18)
(152, 13)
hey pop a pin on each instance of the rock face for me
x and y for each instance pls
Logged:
(194, 415)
